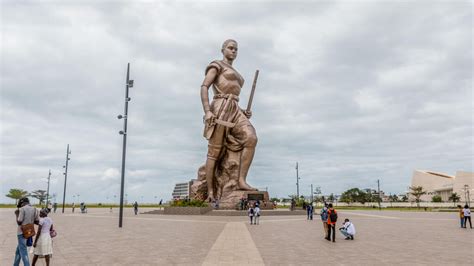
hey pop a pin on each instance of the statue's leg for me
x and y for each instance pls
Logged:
(210, 165)
(214, 149)
(247, 156)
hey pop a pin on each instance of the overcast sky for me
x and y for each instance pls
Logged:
(353, 91)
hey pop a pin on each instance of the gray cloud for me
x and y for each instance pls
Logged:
(354, 91)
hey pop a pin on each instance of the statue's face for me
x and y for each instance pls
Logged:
(230, 51)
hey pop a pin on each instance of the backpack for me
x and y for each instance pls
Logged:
(251, 211)
(333, 216)
(324, 215)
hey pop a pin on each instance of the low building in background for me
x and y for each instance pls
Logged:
(181, 190)
(444, 185)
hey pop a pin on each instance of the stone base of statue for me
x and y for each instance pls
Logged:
(226, 189)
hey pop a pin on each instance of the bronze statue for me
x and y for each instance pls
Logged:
(227, 126)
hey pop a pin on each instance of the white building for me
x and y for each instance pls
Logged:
(444, 185)
(181, 190)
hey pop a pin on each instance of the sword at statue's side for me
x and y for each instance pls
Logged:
(249, 105)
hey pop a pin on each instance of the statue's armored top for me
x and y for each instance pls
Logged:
(228, 80)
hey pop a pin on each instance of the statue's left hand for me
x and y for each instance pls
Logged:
(248, 114)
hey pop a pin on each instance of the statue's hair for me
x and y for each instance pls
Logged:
(226, 42)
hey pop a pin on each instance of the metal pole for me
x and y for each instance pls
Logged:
(378, 185)
(65, 176)
(47, 191)
(312, 199)
(297, 183)
(124, 149)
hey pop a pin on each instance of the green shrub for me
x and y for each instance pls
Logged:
(189, 203)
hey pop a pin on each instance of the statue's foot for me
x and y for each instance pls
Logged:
(244, 186)
(210, 198)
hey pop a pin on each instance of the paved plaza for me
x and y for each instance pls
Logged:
(383, 238)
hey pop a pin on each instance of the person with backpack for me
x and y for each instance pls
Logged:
(332, 219)
(348, 230)
(467, 216)
(135, 208)
(324, 218)
(251, 213)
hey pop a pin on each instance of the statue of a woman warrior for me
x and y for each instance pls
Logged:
(227, 125)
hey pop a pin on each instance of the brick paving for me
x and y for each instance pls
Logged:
(383, 238)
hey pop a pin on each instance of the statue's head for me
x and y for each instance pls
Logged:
(229, 49)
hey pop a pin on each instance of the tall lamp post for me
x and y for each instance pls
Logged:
(47, 191)
(297, 183)
(379, 198)
(65, 175)
(128, 84)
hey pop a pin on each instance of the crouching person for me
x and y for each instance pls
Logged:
(348, 230)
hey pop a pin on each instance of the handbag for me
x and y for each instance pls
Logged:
(53, 233)
(28, 230)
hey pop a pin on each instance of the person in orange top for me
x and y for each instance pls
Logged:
(332, 219)
(461, 215)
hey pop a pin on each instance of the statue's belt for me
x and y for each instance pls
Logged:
(227, 96)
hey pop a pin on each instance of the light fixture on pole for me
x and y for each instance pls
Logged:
(128, 84)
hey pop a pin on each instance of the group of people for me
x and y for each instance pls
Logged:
(465, 215)
(329, 218)
(41, 240)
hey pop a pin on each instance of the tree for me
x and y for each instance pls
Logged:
(354, 195)
(275, 200)
(404, 198)
(454, 198)
(331, 198)
(392, 198)
(417, 192)
(436, 198)
(16, 194)
(40, 195)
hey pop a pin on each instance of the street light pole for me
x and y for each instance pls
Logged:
(312, 199)
(47, 191)
(128, 84)
(65, 175)
(297, 183)
(378, 185)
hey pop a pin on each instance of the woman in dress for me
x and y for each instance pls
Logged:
(241, 137)
(43, 243)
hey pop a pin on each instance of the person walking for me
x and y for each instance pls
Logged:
(324, 219)
(467, 216)
(309, 212)
(135, 207)
(332, 219)
(55, 207)
(26, 215)
(461, 215)
(43, 243)
(348, 230)
(257, 215)
(73, 207)
(251, 213)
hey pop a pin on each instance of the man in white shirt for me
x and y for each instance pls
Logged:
(348, 230)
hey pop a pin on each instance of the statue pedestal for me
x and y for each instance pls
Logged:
(232, 200)
(226, 188)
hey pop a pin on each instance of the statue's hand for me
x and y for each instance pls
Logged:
(209, 117)
(248, 114)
